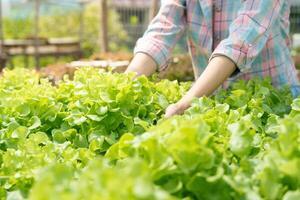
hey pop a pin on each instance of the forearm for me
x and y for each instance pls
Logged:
(217, 71)
(160, 38)
(142, 64)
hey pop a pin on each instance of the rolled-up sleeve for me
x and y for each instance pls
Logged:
(163, 32)
(249, 32)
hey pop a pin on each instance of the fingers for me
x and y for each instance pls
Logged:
(172, 110)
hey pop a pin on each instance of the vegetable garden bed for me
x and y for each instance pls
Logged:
(103, 136)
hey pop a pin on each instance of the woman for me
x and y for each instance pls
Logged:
(227, 40)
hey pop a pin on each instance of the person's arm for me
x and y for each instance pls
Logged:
(248, 35)
(217, 71)
(154, 49)
(142, 64)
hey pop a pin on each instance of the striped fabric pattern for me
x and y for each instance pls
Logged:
(254, 34)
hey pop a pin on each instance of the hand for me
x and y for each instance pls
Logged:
(217, 71)
(176, 109)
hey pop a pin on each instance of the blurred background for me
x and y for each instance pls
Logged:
(50, 35)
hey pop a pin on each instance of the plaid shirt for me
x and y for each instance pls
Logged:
(254, 34)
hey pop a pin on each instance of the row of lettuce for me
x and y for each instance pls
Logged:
(103, 136)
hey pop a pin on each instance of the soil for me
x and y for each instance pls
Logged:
(57, 72)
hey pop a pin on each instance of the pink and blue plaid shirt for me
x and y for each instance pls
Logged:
(254, 34)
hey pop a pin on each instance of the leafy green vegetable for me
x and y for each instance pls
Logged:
(280, 168)
(242, 143)
(42, 124)
(98, 180)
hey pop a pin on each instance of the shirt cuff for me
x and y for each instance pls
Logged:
(155, 50)
(236, 53)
